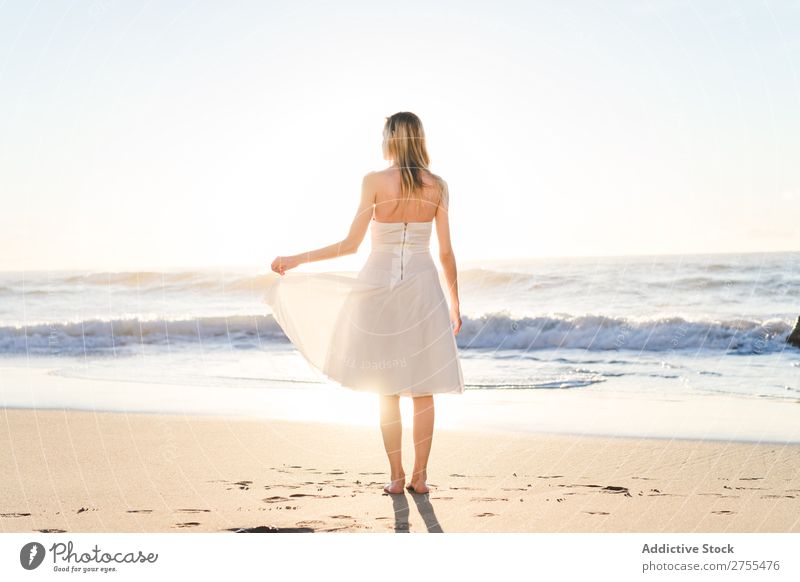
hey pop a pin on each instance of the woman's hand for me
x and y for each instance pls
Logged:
(455, 317)
(282, 264)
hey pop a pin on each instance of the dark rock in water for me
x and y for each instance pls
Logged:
(794, 337)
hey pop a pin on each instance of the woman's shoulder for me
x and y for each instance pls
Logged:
(438, 180)
(440, 185)
(387, 181)
(393, 173)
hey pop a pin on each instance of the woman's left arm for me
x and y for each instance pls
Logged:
(346, 246)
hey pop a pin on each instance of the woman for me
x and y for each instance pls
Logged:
(388, 330)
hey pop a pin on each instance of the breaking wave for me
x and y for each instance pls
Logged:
(499, 331)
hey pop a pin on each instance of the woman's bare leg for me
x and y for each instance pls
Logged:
(423, 437)
(392, 429)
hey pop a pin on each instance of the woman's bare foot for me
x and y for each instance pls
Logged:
(417, 483)
(396, 486)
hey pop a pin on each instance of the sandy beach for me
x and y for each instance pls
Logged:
(83, 471)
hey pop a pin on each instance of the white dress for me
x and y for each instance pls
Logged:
(386, 329)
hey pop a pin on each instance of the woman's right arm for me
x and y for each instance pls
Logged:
(447, 257)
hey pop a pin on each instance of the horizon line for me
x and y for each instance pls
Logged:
(210, 267)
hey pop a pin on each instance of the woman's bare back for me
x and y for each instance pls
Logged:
(389, 204)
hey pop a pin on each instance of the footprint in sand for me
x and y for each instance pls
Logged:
(777, 497)
(15, 514)
(275, 499)
(270, 529)
(603, 489)
(193, 510)
(82, 509)
(723, 512)
(658, 493)
(488, 499)
(52, 530)
(352, 525)
(140, 511)
(243, 485)
(486, 514)
(616, 489)
(188, 524)
(474, 476)
(597, 512)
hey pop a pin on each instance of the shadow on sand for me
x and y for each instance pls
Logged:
(423, 503)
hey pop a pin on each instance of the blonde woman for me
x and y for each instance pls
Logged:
(389, 329)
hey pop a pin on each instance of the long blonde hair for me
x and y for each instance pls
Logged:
(405, 143)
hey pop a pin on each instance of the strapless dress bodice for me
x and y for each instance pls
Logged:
(406, 237)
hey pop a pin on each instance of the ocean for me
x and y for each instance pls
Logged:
(667, 326)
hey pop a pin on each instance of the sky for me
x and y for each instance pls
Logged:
(157, 135)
